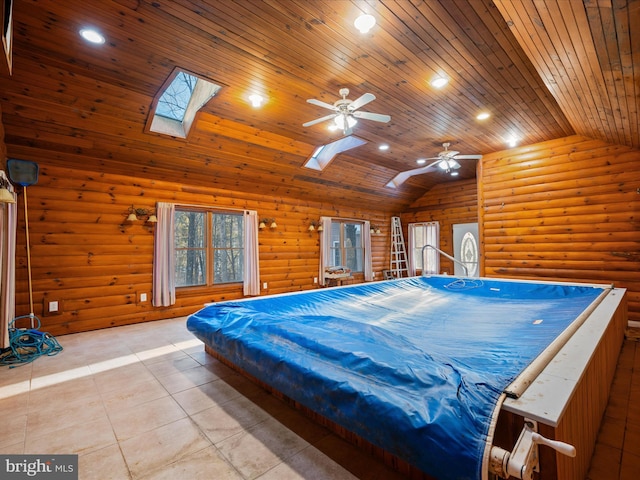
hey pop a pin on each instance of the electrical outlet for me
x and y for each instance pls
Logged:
(315, 279)
(141, 297)
(51, 307)
(264, 285)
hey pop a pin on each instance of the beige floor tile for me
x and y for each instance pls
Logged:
(183, 380)
(79, 438)
(205, 396)
(122, 377)
(161, 447)
(255, 451)
(144, 417)
(308, 464)
(128, 396)
(62, 392)
(58, 415)
(14, 376)
(15, 449)
(13, 428)
(104, 464)
(207, 463)
(223, 421)
(160, 354)
(179, 363)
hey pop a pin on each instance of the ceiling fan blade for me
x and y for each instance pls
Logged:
(319, 120)
(376, 117)
(448, 153)
(468, 157)
(362, 101)
(322, 104)
(402, 177)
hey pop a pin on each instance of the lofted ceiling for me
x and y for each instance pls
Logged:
(543, 69)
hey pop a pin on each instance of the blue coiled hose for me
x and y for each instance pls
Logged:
(27, 344)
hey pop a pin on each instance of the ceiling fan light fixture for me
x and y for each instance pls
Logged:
(345, 118)
(444, 165)
(364, 23)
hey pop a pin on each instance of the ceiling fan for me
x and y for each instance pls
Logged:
(345, 111)
(446, 161)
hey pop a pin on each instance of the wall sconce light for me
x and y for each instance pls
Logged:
(136, 214)
(268, 221)
(5, 195)
(375, 230)
(313, 226)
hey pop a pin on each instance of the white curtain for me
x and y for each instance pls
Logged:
(421, 234)
(366, 240)
(325, 247)
(164, 283)
(251, 254)
(8, 228)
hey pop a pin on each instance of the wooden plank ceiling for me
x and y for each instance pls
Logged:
(542, 69)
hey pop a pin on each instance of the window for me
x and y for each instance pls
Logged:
(422, 234)
(178, 103)
(346, 245)
(209, 247)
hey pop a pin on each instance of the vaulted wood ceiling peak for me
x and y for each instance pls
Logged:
(543, 69)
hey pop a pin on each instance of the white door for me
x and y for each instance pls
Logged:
(466, 248)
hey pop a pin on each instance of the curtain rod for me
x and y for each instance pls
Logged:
(209, 206)
(345, 218)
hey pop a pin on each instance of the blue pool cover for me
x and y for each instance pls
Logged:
(415, 366)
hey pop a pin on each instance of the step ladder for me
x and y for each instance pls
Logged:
(398, 253)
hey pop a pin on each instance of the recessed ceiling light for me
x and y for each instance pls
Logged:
(454, 174)
(364, 23)
(439, 82)
(256, 100)
(483, 116)
(383, 147)
(512, 141)
(91, 35)
(421, 161)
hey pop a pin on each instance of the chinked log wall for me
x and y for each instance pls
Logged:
(566, 210)
(96, 265)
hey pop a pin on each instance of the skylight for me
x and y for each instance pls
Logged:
(178, 103)
(322, 155)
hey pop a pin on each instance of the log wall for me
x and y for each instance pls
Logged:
(95, 264)
(449, 204)
(566, 210)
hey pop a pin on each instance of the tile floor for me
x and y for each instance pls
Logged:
(145, 402)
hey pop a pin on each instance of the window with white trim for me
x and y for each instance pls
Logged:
(347, 247)
(209, 247)
(427, 233)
